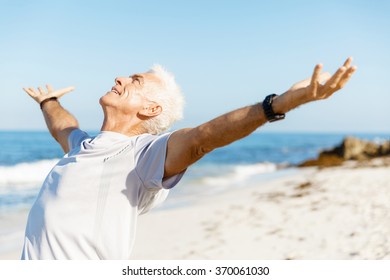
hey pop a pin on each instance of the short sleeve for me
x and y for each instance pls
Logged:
(76, 137)
(150, 161)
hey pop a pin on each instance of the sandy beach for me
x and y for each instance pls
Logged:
(332, 213)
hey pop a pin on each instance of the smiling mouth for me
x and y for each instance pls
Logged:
(115, 91)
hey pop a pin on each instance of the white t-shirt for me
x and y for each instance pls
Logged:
(88, 205)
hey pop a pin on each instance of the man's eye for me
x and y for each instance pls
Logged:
(136, 78)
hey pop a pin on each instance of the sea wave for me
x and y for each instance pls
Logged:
(380, 140)
(239, 174)
(25, 174)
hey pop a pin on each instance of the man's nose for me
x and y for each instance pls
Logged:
(121, 81)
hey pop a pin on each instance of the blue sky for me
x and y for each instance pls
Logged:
(225, 54)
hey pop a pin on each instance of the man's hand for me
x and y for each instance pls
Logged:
(319, 86)
(40, 94)
(59, 121)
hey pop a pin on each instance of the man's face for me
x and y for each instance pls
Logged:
(129, 93)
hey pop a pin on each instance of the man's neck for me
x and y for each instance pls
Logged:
(125, 128)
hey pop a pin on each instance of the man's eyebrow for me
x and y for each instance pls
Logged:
(136, 76)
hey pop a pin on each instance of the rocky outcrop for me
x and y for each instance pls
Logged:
(350, 149)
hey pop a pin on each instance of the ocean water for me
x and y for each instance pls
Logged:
(27, 157)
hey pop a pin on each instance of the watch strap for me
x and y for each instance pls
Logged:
(269, 112)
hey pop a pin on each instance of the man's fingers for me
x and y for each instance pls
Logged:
(30, 92)
(348, 62)
(315, 79)
(347, 75)
(41, 91)
(316, 73)
(61, 92)
(322, 85)
(49, 88)
(340, 78)
(351, 70)
(40, 94)
(333, 83)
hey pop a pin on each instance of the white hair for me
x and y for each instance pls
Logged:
(169, 97)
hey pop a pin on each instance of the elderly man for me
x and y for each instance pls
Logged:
(88, 205)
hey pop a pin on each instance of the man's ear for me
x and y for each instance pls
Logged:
(151, 109)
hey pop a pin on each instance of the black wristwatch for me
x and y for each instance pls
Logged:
(269, 112)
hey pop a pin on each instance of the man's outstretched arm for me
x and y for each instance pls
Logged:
(59, 121)
(187, 146)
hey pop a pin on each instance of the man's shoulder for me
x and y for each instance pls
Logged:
(145, 140)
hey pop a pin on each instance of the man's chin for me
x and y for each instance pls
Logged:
(107, 99)
(102, 100)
